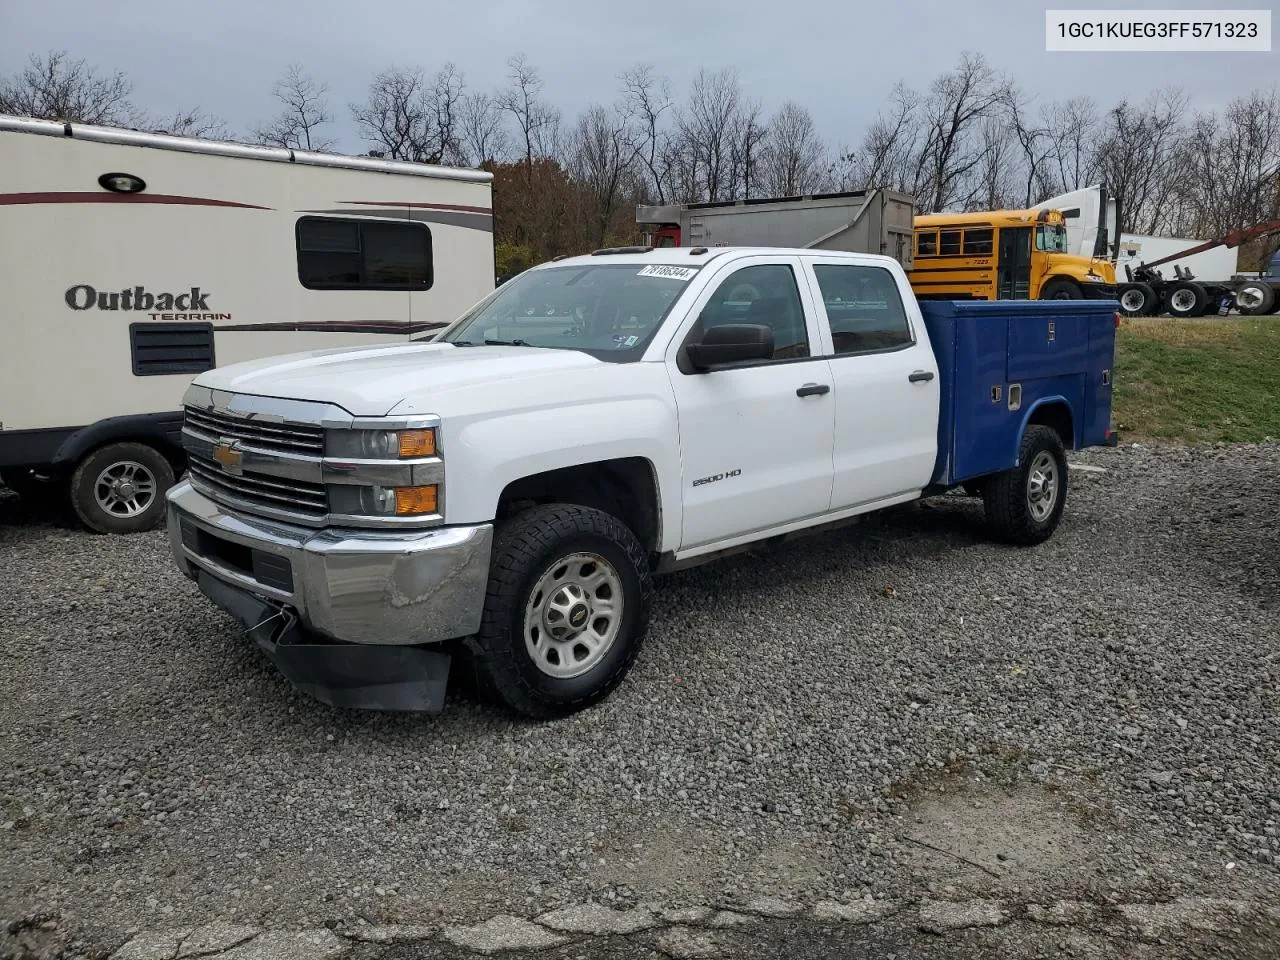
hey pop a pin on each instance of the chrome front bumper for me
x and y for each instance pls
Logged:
(394, 588)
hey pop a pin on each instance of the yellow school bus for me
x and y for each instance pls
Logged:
(1003, 255)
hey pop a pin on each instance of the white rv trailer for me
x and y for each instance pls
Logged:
(134, 261)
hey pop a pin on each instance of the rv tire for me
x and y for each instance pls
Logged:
(120, 488)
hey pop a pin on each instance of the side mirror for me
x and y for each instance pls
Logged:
(731, 343)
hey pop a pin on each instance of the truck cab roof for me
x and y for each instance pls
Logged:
(700, 256)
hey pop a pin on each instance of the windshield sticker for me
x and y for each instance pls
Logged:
(622, 340)
(668, 271)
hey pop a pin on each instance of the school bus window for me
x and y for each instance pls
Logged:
(949, 245)
(977, 243)
(927, 244)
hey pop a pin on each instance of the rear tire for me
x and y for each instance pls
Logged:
(566, 610)
(120, 488)
(1255, 299)
(1138, 300)
(1186, 299)
(1060, 290)
(1024, 505)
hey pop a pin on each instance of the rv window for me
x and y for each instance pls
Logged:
(950, 243)
(336, 254)
(977, 243)
(927, 244)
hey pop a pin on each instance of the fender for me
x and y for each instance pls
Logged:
(508, 447)
(163, 427)
(1026, 421)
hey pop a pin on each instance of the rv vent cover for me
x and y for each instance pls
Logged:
(165, 348)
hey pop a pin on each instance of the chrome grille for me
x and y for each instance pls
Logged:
(278, 437)
(258, 492)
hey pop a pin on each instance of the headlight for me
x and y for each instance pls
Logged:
(375, 501)
(1090, 278)
(382, 444)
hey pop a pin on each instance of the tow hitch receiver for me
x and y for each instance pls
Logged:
(350, 675)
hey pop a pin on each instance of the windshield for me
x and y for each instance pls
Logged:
(1051, 238)
(611, 311)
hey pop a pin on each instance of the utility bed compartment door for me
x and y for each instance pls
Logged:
(1047, 346)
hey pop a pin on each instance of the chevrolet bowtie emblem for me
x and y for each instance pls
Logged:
(228, 453)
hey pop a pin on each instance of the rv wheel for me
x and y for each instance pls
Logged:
(120, 488)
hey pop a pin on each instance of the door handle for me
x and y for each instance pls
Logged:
(921, 376)
(813, 390)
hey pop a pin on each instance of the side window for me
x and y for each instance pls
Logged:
(864, 308)
(765, 294)
(927, 244)
(977, 243)
(949, 243)
(338, 254)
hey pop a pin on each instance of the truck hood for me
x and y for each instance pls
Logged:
(370, 381)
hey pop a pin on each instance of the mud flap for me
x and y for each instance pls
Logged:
(354, 676)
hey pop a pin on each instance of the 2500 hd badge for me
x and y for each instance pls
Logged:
(719, 476)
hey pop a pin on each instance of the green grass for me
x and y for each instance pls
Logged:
(1198, 381)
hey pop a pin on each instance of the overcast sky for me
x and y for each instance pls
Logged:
(838, 58)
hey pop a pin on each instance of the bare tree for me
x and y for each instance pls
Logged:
(704, 147)
(747, 149)
(794, 153)
(647, 98)
(1138, 156)
(1072, 126)
(444, 99)
(190, 123)
(993, 190)
(481, 130)
(55, 87)
(886, 156)
(957, 104)
(409, 116)
(536, 120)
(1232, 167)
(305, 110)
(1035, 142)
(602, 158)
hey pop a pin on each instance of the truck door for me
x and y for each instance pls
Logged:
(1013, 276)
(756, 439)
(886, 384)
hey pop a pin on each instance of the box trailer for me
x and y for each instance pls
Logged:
(135, 261)
(858, 221)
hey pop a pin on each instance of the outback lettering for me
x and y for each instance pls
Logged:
(84, 297)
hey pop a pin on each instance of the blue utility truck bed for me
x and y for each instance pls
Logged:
(1004, 364)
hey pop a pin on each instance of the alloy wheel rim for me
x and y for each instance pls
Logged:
(124, 489)
(573, 615)
(1042, 486)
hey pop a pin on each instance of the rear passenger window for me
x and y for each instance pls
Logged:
(765, 294)
(977, 243)
(340, 254)
(949, 243)
(863, 307)
(927, 244)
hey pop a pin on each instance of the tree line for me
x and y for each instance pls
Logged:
(971, 139)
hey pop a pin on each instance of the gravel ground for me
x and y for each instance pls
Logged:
(901, 709)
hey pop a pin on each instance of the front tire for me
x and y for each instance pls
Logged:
(1060, 290)
(1024, 505)
(566, 610)
(120, 488)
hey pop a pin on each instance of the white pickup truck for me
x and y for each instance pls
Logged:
(515, 481)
